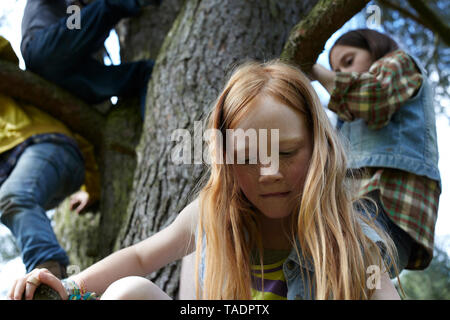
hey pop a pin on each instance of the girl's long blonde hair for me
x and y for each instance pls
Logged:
(325, 222)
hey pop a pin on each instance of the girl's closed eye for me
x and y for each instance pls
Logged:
(348, 61)
(254, 161)
(291, 148)
(288, 153)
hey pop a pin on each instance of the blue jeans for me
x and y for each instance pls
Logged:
(63, 55)
(45, 174)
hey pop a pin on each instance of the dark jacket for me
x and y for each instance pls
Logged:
(39, 14)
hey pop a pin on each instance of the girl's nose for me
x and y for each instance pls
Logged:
(268, 176)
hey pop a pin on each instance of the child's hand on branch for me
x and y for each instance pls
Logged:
(324, 76)
(80, 201)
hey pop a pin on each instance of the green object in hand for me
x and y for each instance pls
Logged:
(44, 292)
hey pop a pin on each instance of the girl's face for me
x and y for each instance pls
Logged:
(350, 59)
(276, 194)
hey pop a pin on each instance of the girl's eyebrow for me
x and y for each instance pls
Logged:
(291, 141)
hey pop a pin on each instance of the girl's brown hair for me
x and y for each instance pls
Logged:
(377, 43)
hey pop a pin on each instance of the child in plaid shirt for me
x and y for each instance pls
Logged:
(385, 108)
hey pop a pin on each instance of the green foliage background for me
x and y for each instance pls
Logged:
(433, 283)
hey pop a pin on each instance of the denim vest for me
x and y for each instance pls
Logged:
(299, 284)
(298, 272)
(408, 142)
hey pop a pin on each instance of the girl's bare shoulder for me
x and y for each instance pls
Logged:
(188, 217)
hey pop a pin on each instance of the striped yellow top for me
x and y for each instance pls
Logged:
(273, 286)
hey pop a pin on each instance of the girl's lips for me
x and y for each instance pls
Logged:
(275, 194)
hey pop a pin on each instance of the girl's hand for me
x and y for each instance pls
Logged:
(314, 75)
(31, 281)
(79, 201)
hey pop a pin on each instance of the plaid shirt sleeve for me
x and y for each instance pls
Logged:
(377, 94)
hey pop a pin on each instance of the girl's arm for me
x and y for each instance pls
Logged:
(324, 76)
(374, 95)
(168, 245)
(164, 247)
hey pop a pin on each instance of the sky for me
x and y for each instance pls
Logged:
(11, 31)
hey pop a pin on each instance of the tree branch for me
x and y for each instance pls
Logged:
(30, 88)
(432, 20)
(308, 38)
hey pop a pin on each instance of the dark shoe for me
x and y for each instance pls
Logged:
(55, 268)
